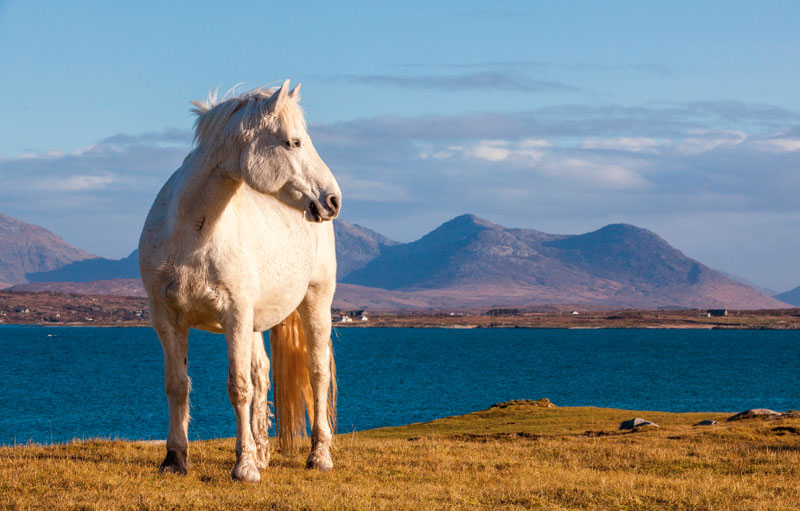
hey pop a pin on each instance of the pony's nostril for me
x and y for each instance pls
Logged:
(333, 202)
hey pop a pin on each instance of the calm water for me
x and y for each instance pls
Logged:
(60, 383)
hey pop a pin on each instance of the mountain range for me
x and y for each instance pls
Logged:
(467, 262)
(471, 261)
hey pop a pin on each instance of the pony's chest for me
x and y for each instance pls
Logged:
(275, 289)
(267, 262)
(264, 246)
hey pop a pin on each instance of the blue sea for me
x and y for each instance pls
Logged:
(64, 383)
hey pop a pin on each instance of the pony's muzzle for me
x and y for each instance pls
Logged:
(316, 212)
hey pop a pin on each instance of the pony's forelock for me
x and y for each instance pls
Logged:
(213, 114)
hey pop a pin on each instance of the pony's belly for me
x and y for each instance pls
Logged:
(274, 308)
(267, 318)
(263, 321)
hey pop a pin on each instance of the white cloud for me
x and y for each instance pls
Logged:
(84, 150)
(430, 151)
(524, 151)
(77, 183)
(490, 150)
(705, 140)
(781, 144)
(543, 158)
(530, 143)
(606, 175)
(531, 150)
(630, 144)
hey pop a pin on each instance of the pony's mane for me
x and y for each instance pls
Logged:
(213, 114)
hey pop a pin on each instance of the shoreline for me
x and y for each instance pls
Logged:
(58, 309)
(454, 327)
(422, 324)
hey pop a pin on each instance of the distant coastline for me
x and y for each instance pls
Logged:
(60, 309)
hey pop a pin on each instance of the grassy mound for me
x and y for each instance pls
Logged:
(516, 455)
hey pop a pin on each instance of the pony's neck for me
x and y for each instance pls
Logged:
(202, 196)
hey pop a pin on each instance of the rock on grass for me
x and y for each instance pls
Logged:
(637, 423)
(754, 413)
(706, 423)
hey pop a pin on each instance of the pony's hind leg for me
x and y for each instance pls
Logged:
(259, 373)
(316, 317)
(174, 342)
(239, 337)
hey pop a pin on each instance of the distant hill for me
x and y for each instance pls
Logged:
(356, 246)
(27, 248)
(118, 287)
(792, 296)
(87, 270)
(469, 260)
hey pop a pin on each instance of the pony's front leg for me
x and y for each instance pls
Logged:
(316, 317)
(240, 390)
(174, 342)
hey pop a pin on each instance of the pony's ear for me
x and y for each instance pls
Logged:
(295, 94)
(256, 169)
(277, 99)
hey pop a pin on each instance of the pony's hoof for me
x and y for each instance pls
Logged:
(319, 459)
(173, 463)
(245, 470)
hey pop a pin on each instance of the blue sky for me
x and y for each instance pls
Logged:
(682, 117)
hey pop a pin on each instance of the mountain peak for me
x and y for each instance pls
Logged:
(459, 228)
(26, 248)
(470, 219)
(356, 246)
(625, 230)
(345, 228)
(615, 234)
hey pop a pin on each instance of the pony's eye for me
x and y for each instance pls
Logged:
(295, 142)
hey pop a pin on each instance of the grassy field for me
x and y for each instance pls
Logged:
(512, 456)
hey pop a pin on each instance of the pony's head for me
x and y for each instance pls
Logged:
(260, 138)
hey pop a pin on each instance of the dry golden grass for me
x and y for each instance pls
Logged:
(513, 457)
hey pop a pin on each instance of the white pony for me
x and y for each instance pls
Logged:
(237, 243)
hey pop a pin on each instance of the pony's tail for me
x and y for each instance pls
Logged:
(291, 383)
